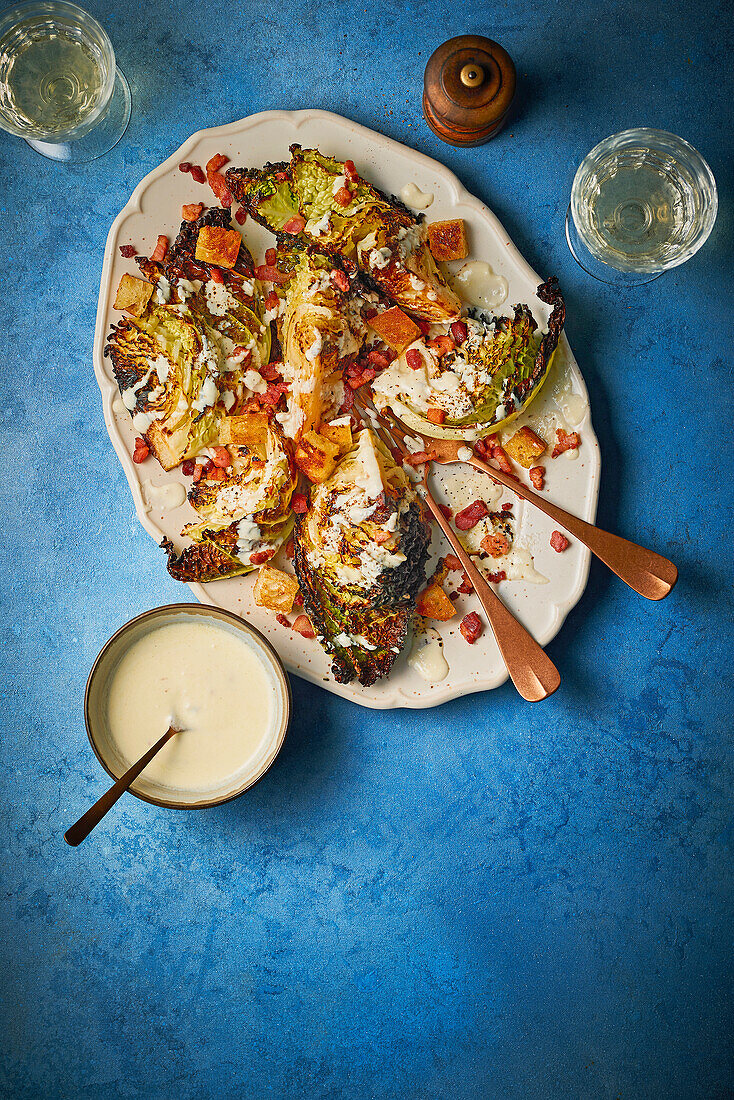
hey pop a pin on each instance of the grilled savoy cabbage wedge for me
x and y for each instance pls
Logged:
(174, 364)
(360, 557)
(484, 383)
(247, 515)
(387, 242)
(319, 330)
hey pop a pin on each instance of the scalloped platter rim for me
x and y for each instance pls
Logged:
(153, 209)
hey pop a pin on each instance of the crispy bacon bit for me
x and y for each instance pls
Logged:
(567, 441)
(382, 536)
(302, 626)
(197, 173)
(187, 467)
(184, 166)
(280, 176)
(559, 542)
(348, 401)
(452, 562)
(466, 585)
(282, 620)
(222, 458)
(495, 544)
(436, 416)
(216, 275)
(216, 181)
(298, 599)
(448, 512)
(127, 250)
(424, 326)
(161, 248)
(414, 359)
(274, 392)
(142, 450)
(441, 345)
(261, 556)
(495, 578)
(240, 354)
(240, 215)
(272, 301)
(216, 162)
(470, 516)
(500, 457)
(459, 332)
(289, 549)
(506, 507)
(482, 450)
(418, 458)
(378, 359)
(190, 211)
(350, 171)
(343, 197)
(269, 274)
(368, 313)
(453, 596)
(270, 256)
(299, 503)
(216, 473)
(271, 372)
(471, 627)
(537, 476)
(294, 225)
(340, 280)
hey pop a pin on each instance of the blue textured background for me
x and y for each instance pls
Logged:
(488, 900)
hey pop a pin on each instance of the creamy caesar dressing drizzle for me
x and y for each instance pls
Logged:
(478, 285)
(426, 656)
(165, 497)
(412, 195)
(206, 679)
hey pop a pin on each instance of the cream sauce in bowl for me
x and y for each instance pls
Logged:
(209, 674)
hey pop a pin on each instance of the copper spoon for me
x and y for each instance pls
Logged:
(83, 827)
(646, 572)
(530, 669)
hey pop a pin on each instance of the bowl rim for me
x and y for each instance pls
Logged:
(206, 611)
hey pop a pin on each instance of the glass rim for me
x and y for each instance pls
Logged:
(14, 15)
(660, 140)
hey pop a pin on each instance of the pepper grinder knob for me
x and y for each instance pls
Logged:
(468, 87)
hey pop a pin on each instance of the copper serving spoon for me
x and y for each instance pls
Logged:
(83, 827)
(646, 572)
(530, 669)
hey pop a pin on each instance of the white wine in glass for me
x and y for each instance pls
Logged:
(59, 86)
(642, 201)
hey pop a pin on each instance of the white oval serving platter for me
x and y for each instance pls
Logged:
(572, 482)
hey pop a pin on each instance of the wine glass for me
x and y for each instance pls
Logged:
(642, 201)
(60, 89)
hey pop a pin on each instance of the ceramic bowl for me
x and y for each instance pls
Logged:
(96, 695)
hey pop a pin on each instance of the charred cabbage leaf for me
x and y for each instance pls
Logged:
(482, 383)
(247, 516)
(319, 330)
(360, 557)
(178, 366)
(387, 241)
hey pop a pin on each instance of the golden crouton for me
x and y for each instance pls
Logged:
(133, 295)
(316, 456)
(433, 603)
(395, 328)
(447, 240)
(339, 434)
(525, 447)
(215, 245)
(275, 589)
(247, 430)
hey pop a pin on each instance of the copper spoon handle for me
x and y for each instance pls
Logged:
(531, 670)
(648, 573)
(83, 827)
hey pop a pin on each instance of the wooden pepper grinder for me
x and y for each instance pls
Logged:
(468, 88)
